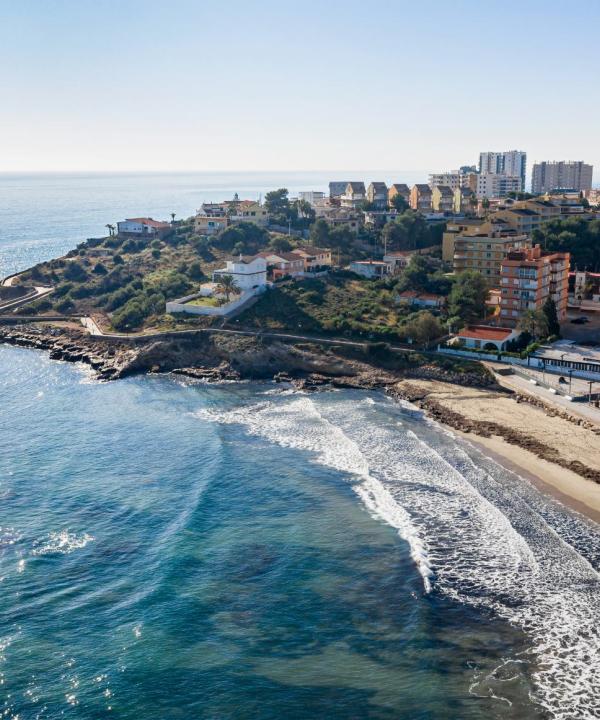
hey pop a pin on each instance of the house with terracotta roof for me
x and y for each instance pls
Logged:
(485, 337)
(314, 258)
(142, 226)
(280, 265)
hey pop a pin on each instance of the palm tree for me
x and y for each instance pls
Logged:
(172, 218)
(111, 229)
(227, 286)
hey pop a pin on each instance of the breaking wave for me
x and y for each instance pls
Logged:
(477, 533)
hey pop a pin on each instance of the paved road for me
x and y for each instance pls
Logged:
(38, 292)
(521, 384)
(92, 326)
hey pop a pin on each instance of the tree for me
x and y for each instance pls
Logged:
(424, 328)
(468, 296)
(485, 203)
(279, 243)
(227, 286)
(534, 322)
(319, 233)
(195, 271)
(415, 275)
(549, 310)
(277, 203)
(399, 203)
(172, 218)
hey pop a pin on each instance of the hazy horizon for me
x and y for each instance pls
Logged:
(138, 86)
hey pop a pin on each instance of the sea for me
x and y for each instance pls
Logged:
(171, 548)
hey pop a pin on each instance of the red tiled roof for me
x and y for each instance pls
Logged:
(149, 221)
(485, 332)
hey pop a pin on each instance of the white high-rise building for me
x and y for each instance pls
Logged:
(511, 162)
(494, 185)
(451, 179)
(548, 176)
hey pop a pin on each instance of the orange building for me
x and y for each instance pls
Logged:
(528, 277)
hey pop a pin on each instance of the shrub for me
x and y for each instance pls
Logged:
(65, 305)
(156, 253)
(118, 260)
(62, 289)
(74, 271)
(100, 269)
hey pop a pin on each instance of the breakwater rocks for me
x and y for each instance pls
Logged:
(421, 397)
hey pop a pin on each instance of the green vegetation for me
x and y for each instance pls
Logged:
(466, 301)
(576, 235)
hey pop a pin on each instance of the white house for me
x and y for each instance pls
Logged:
(142, 226)
(486, 337)
(248, 272)
(371, 269)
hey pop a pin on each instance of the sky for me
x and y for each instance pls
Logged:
(141, 85)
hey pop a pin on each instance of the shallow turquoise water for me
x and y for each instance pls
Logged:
(174, 549)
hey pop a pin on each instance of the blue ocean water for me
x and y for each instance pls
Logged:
(172, 549)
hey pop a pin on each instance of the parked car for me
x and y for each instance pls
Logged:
(580, 320)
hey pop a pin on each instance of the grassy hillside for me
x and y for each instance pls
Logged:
(335, 305)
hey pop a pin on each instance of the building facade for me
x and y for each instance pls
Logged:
(398, 189)
(442, 199)
(496, 185)
(142, 226)
(420, 197)
(377, 194)
(555, 175)
(511, 162)
(354, 195)
(248, 272)
(528, 277)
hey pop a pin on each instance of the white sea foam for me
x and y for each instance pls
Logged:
(62, 543)
(474, 535)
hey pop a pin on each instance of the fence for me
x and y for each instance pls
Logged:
(182, 305)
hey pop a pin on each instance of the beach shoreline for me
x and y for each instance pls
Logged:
(567, 487)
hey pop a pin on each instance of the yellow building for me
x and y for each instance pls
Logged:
(483, 248)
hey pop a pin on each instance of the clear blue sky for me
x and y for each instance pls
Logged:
(194, 85)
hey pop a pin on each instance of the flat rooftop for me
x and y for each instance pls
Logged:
(570, 350)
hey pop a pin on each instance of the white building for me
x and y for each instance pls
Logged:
(248, 272)
(451, 180)
(142, 226)
(548, 176)
(511, 162)
(371, 269)
(312, 196)
(493, 185)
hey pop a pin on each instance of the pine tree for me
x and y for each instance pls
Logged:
(549, 310)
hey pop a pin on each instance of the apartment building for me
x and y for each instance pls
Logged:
(420, 197)
(524, 216)
(442, 199)
(377, 194)
(354, 195)
(464, 201)
(528, 277)
(398, 189)
(496, 185)
(555, 175)
(512, 163)
(451, 179)
(483, 249)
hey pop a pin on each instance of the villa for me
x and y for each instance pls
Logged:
(248, 272)
(486, 337)
(142, 226)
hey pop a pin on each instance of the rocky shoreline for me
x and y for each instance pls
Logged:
(308, 366)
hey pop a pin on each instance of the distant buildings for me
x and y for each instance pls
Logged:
(312, 197)
(420, 197)
(496, 185)
(142, 226)
(354, 195)
(377, 194)
(337, 188)
(451, 179)
(548, 176)
(464, 201)
(528, 278)
(400, 189)
(512, 163)
(442, 199)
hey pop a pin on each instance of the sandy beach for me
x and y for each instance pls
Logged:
(572, 442)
